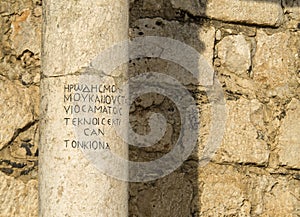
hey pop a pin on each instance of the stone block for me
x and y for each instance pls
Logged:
(241, 142)
(233, 191)
(26, 32)
(282, 198)
(170, 196)
(18, 198)
(292, 9)
(235, 54)
(274, 60)
(289, 137)
(196, 36)
(224, 192)
(267, 13)
(18, 108)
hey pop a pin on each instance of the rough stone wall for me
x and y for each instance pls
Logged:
(254, 49)
(253, 46)
(20, 39)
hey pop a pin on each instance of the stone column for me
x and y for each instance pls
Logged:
(71, 184)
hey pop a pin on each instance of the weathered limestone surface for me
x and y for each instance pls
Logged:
(274, 60)
(289, 142)
(242, 142)
(26, 31)
(254, 48)
(235, 54)
(252, 12)
(20, 42)
(241, 184)
(17, 110)
(236, 191)
(173, 193)
(198, 37)
(18, 198)
(292, 9)
(282, 198)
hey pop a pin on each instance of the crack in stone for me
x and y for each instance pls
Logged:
(17, 133)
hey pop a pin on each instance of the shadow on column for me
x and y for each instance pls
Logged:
(176, 194)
